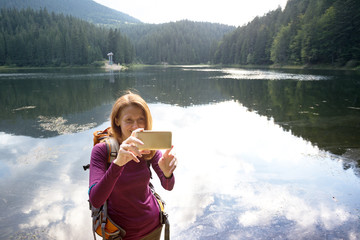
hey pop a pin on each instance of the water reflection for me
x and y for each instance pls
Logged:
(258, 159)
(324, 111)
(257, 74)
(85, 99)
(49, 200)
(70, 99)
(243, 177)
(240, 177)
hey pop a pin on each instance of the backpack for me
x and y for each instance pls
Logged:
(101, 222)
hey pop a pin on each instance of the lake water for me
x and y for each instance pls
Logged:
(263, 154)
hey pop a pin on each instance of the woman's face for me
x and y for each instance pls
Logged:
(130, 118)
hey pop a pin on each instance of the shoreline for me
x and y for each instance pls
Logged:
(273, 66)
(117, 67)
(103, 65)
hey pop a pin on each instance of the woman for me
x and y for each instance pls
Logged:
(125, 183)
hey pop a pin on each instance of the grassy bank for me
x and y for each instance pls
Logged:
(104, 64)
(6, 68)
(99, 64)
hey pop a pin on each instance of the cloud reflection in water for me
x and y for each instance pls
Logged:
(270, 75)
(247, 74)
(50, 198)
(240, 176)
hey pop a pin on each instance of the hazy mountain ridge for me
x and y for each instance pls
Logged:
(85, 9)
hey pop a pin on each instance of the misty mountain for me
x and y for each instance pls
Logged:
(85, 9)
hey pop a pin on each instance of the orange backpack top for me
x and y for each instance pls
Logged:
(112, 146)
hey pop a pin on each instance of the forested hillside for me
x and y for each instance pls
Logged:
(306, 32)
(182, 42)
(38, 38)
(85, 9)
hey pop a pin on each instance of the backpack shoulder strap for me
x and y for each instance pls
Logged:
(112, 146)
(164, 218)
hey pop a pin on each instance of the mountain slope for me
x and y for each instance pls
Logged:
(181, 42)
(85, 9)
(306, 32)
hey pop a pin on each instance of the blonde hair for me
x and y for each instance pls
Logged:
(122, 102)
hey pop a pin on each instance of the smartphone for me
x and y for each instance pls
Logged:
(154, 140)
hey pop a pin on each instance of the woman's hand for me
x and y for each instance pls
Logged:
(168, 163)
(128, 150)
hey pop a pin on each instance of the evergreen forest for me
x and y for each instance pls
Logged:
(305, 32)
(40, 38)
(181, 42)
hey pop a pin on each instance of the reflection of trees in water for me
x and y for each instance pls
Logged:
(183, 88)
(85, 99)
(56, 97)
(326, 113)
(76, 98)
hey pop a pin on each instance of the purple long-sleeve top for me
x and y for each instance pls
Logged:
(131, 204)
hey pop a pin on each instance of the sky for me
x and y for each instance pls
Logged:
(230, 12)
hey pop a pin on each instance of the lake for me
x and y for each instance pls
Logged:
(263, 154)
